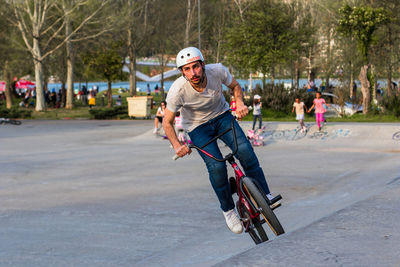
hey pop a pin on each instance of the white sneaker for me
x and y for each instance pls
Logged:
(233, 222)
(155, 131)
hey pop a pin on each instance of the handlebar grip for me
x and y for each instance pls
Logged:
(175, 157)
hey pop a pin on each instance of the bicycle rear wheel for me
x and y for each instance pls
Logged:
(259, 201)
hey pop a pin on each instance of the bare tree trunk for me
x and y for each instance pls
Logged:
(70, 66)
(351, 81)
(132, 75)
(188, 20)
(8, 87)
(273, 76)
(365, 85)
(309, 61)
(162, 77)
(374, 86)
(132, 64)
(389, 80)
(189, 17)
(131, 52)
(296, 75)
(37, 60)
(390, 65)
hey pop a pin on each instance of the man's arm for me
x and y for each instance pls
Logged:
(241, 108)
(168, 125)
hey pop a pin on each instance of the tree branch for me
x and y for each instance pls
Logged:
(76, 30)
(22, 30)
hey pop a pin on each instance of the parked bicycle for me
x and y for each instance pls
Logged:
(10, 121)
(253, 206)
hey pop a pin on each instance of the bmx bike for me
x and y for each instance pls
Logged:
(10, 121)
(253, 206)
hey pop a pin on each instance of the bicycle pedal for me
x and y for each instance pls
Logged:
(274, 206)
(274, 200)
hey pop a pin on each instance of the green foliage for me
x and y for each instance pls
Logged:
(279, 99)
(108, 113)
(263, 39)
(15, 113)
(361, 23)
(392, 105)
(106, 61)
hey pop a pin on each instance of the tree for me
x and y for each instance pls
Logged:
(137, 27)
(263, 40)
(361, 23)
(107, 62)
(12, 55)
(40, 23)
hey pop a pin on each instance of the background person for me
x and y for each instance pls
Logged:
(233, 105)
(299, 107)
(159, 116)
(205, 114)
(257, 111)
(319, 103)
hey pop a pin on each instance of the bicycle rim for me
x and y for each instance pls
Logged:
(259, 201)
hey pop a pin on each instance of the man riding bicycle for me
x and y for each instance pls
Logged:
(205, 114)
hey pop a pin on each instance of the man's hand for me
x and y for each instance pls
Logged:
(241, 110)
(182, 150)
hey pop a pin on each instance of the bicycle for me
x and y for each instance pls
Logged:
(10, 121)
(252, 201)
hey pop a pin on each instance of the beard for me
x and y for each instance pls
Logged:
(197, 80)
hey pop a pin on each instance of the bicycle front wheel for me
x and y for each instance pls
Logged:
(251, 224)
(259, 201)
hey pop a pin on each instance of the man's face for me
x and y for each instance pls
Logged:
(194, 72)
(297, 100)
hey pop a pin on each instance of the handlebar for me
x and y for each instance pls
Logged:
(230, 155)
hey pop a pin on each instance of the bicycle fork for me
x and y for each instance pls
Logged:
(243, 202)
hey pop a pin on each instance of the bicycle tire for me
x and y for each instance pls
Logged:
(259, 201)
(14, 122)
(262, 235)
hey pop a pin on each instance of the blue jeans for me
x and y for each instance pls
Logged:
(255, 117)
(217, 170)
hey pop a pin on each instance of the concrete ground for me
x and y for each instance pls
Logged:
(107, 193)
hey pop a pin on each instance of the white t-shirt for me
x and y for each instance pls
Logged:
(257, 109)
(198, 108)
(160, 111)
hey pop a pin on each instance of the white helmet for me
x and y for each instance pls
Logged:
(188, 55)
(257, 97)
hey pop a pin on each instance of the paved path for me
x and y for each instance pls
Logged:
(106, 193)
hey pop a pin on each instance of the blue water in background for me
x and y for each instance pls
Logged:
(142, 86)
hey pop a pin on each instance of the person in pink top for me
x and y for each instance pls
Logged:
(319, 103)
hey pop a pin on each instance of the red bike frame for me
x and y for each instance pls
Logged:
(241, 192)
